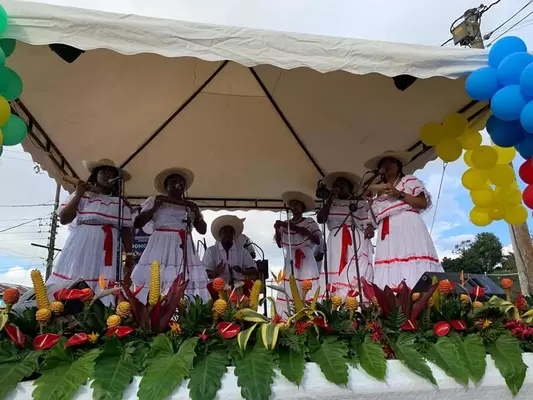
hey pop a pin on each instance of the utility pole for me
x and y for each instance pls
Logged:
(468, 33)
(53, 234)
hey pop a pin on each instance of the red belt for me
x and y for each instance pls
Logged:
(385, 228)
(298, 258)
(108, 242)
(345, 243)
(181, 232)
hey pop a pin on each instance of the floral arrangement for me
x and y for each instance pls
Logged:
(63, 344)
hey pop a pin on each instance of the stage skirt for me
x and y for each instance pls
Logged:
(406, 252)
(164, 245)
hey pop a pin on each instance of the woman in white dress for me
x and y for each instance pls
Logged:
(92, 215)
(298, 238)
(404, 249)
(342, 271)
(168, 214)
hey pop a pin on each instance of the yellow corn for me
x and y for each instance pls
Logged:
(113, 321)
(254, 295)
(57, 307)
(41, 294)
(155, 284)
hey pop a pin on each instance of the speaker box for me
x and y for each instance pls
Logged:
(470, 282)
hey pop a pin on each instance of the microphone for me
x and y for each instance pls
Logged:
(113, 180)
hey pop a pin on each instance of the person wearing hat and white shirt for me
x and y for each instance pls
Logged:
(246, 242)
(298, 238)
(167, 214)
(404, 248)
(92, 215)
(342, 271)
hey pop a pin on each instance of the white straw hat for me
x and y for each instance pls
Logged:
(159, 181)
(227, 220)
(305, 199)
(403, 156)
(105, 162)
(330, 179)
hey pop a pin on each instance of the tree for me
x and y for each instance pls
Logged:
(478, 256)
(509, 263)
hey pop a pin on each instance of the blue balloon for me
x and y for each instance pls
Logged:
(526, 147)
(526, 117)
(507, 103)
(505, 133)
(526, 81)
(503, 47)
(482, 84)
(511, 68)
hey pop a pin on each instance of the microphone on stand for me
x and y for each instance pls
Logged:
(113, 180)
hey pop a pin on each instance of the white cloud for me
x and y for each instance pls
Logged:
(18, 276)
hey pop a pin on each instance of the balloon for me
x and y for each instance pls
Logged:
(526, 172)
(526, 117)
(8, 45)
(515, 215)
(1, 150)
(526, 81)
(483, 197)
(505, 133)
(480, 217)
(506, 155)
(3, 20)
(468, 158)
(449, 149)
(525, 148)
(454, 125)
(502, 175)
(512, 66)
(497, 214)
(1, 138)
(481, 122)
(503, 47)
(484, 157)
(15, 131)
(4, 79)
(14, 87)
(527, 196)
(5, 111)
(431, 134)
(482, 84)
(507, 103)
(2, 58)
(508, 196)
(470, 139)
(474, 179)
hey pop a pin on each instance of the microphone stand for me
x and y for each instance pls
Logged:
(120, 183)
(188, 231)
(325, 262)
(291, 261)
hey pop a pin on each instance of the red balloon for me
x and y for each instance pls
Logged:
(527, 196)
(526, 172)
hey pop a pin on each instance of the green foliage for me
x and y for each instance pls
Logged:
(394, 320)
(445, 355)
(297, 343)
(507, 356)
(291, 364)
(166, 369)
(255, 373)
(404, 349)
(331, 358)
(25, 321)
(206, 377)
(15, 365)
(472, 353)
(371, 357)
(476, 256)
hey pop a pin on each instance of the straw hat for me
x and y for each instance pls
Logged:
(105, 162)
(330, 179)
(159, 181)
(403, 156)
(305, 199)
(227, 220)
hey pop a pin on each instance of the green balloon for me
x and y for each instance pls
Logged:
(2, 58)
(1, 150)
(14, 85)
(3, 20)
(14, 130)
(8, 45)
(4, 79)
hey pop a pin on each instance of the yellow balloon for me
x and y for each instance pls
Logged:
(431, 134)
(516, 215)
(502, 175)
(484, 157)
(468, 158)
(5, 111)
(508, 196)
(470, 139)
(505, 154)
(481, 122)
(480, 217)
(1, 137)
(474, 178)
(497, 214)
(454, 125)
(483, 197)
(449, 149)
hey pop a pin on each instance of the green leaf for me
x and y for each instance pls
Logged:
(405, 351)
(165, 369)
(115, 368)
(371, 358)
(3, 320)
(472, 353)
(507, 356)
(62, 375)
(269, 335)
(330, 356)
(445, 355)
(244, 336)
(23, 364)
(291, 364)
(255, 373)
(206, 377)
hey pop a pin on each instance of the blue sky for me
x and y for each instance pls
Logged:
(395, 21)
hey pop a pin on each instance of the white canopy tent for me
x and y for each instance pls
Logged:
(252, 112)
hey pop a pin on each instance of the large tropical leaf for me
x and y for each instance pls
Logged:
(244, 336)
(291, 364)
(255, 373)
(405, 351)
(507, 356)
(206, 377)
(115, 368)
(15, 364)
(331, 357)
(445, 355)
(165, 369)
(472, 353)
(3, 320)
(371, 357)
(62, 374)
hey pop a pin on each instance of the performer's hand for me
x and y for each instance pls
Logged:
(280, 224)
(369, 197)
(238, 269)
(82, 188)
(392, 191)
(319, 257)
(158, 202)
(219, 270)
(369, 232)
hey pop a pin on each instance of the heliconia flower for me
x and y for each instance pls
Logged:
(45, 341)
(77, 340)
(459, 325)
(478, 291)
(442, 328)
(228, 330)
(120, 331)
(15, 334)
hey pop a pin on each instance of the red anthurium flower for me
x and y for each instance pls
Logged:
(228, 330)
(478, 291)
(353, 293)
(459, 325)
(355, 324)
(44, 342)
(203, 336)
(442, 328)
(331, 288)
(408, 326)
(15, 334)
(321, 323)
(69, 294)
(120, 331)
(77, 340)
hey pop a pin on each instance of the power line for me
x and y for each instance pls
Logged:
(488, 35)
(499, 36)
(21, 224)
(26, 205)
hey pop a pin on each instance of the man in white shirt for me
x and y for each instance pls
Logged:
(246, 242)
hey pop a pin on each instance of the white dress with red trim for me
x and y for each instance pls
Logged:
(165, 245)
(404, 248)
(342, 272)
(91, 247)
(303, 258)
